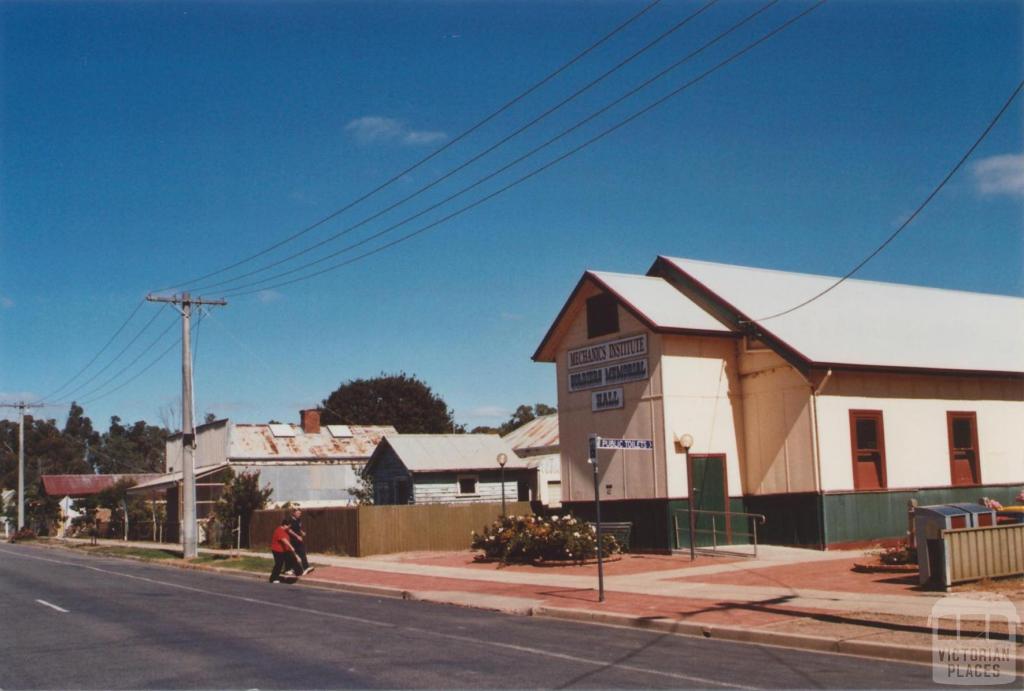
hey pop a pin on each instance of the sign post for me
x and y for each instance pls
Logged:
(596, 444)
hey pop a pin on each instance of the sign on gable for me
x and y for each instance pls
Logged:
(609, 351)
(619, 373)
(609, 399)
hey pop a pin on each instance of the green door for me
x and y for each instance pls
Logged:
(708, 492)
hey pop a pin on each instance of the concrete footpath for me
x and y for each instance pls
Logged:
(787, 597)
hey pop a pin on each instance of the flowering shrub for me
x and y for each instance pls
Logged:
(22, 535)
(534, 539)
(991, 504)
(901, 554)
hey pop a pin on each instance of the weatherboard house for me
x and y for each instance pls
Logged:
(448, 469)
(827, 419)
(310, 464)
(537, 443)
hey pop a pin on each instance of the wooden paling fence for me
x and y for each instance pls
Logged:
(361, 531)
(988, 552)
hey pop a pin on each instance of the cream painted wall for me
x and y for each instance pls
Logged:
(628, 473)
(701, 384)
(914, 411)
(778, 425)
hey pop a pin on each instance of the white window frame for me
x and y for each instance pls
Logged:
(476, 485)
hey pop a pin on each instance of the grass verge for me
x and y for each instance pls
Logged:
(250, 564)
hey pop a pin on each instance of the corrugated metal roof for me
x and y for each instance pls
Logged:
(439, 452)
(251, 442)
(167, 479)
(872, 323)
(539, 433)
(87, 485)
(656, 300)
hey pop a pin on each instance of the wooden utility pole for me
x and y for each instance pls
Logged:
(184, 304)
(22, 406)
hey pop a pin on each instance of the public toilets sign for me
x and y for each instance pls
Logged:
(622, 353)
(625, 444)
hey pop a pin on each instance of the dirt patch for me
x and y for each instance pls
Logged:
(1012, 587)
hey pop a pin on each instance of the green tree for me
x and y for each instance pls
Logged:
(390, 399)
(240, 497)
(41, 511)
(485, 429)
(48, 449)
(524, 414)
(138, 448)
(126, 510)
(362, 493)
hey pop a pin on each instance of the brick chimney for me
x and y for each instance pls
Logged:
(310, 421)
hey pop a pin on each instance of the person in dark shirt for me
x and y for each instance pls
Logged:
(284, 553)
(298, 539)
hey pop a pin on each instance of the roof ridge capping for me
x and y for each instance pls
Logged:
(804, 274)
(865, 323)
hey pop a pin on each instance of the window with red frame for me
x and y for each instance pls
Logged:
(867, 438)
(964, 461)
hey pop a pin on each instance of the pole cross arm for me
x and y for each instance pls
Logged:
(185, 298)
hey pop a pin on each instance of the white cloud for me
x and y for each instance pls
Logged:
(487, 411)
(1002, 174)
(421, 137)
(373, 129)
(266, 296)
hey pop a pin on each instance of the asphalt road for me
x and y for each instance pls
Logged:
(134, 625)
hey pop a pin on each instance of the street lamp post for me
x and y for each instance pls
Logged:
(686, 441)
(502, 460)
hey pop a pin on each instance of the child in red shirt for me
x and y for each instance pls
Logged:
(284, 553)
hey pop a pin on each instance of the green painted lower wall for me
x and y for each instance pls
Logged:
(862, 516)
(801, 519)
(655, 521)
(651, 519)
(792, 519)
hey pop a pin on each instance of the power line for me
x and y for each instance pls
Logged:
(98, 354)
(910, 219)
(138, 374)
(476, 157)
(426, 158)
(255, 356)
(238, 290)
(117, 357)
(124, 369)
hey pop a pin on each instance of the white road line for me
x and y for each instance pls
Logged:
(463, 639)
(52, 606)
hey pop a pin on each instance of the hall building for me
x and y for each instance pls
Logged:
(827, 419)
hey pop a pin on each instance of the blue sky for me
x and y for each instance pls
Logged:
(149, 143)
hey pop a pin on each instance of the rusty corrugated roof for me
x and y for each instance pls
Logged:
(257, 442)
(538, 433)
(87, 485)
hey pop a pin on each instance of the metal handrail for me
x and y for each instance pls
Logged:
(757, 518)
